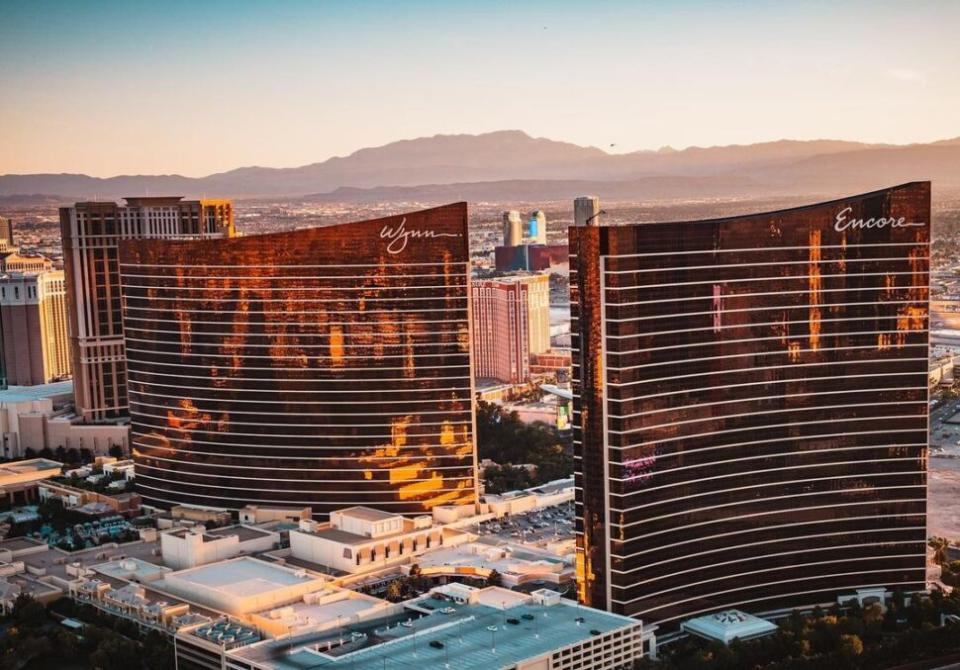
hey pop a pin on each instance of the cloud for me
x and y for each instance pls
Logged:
(907, 74)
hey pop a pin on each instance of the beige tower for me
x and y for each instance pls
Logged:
(33, 316)
(91, 233)
(512, 229)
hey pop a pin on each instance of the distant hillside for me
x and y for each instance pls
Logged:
(514, 160)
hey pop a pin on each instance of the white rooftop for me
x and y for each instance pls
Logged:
(38, 392)
(728, 626)
(366, 513)
(243, 576)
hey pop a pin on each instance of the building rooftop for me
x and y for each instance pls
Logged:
(20, 543)
(243, 576)
(14, 394)
(728, 626)
(473, 636)
(130, 569)
(366, 513)
(31, 465)
(244, 533)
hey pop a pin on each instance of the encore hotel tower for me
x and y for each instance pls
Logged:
(326, 367)
(751, 407)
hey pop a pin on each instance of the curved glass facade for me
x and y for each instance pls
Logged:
(326, 367)
(751, 407)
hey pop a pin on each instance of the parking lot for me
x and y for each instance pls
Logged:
(538, 527)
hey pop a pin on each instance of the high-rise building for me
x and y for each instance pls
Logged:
(325, 367)
(6, 231)
(91, 232)
(511, 319)
(512, 229)
(750, 407)
(33, 318)
(537, 227)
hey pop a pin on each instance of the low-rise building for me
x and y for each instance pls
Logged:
(360, 539)
(242, 585)
(452, 627)
(189, 547)
(478, 560)
(42, 417)
(90, 502)
(321, 610)
(19, 479)
(550, 494)
(264, 514)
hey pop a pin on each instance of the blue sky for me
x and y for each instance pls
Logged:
(199, 87)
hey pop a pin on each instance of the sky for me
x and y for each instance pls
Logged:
(193, 88)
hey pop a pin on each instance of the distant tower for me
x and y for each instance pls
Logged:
(33, 320)
(512, 229)
(537, 228)
(91, 233)
(6, 231)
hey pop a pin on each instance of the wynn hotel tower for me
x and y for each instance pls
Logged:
(326, 367)
(750, 407)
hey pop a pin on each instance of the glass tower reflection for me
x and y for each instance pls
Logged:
(750, 407)
(326, 367)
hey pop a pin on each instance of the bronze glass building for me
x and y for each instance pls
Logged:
(327, 367)
(750, 408)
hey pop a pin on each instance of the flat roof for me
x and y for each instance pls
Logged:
(19, 543)
(31, 465)
(243, 576)
(127, 568)
(38, 392)
(366, 513)
(463, 631)
(728, 626)
(243, 532)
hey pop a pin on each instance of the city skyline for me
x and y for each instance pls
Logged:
(298, 83)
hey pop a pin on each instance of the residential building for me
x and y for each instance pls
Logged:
(33, 317)
(321, 367)
(91, 232)
(751, 406)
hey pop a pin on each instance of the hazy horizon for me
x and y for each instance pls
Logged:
(111, 87)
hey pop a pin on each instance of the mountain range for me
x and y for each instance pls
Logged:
(511, 165)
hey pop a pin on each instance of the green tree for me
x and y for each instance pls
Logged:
(494, 579)
(395, 591)
(939, 546)
(851, 646)
(28, 612)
